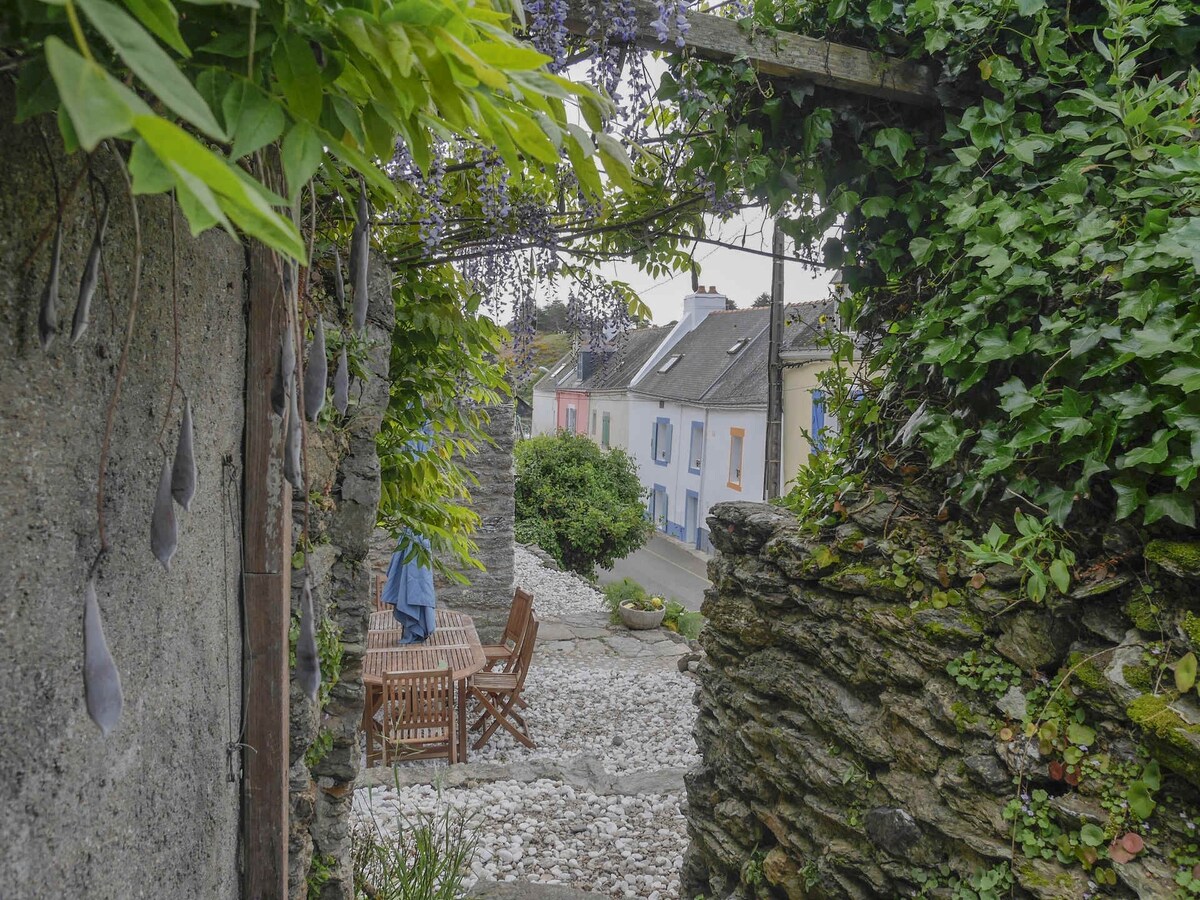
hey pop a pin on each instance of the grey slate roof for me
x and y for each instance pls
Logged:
(704, 358)
(615, 373)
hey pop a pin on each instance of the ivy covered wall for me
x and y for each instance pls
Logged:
(881, 717)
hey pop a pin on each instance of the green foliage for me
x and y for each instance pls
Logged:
(582, 505)
(982, 671)
(990, 884)
(444, 374)
(1025, 259)
(1037, 552)
(319, 748)
(329, 653)
(425, 859)
(616, 591)
(685, 621)
(337, 78)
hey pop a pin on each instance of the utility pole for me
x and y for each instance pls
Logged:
(771, 478)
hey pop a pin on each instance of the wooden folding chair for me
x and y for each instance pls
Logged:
(499, 693)
(518, 620)
(380, 581)
(418, 717)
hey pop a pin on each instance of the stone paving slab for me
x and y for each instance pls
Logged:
(582, 772)
(527, 890)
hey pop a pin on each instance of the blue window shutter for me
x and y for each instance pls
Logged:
(654, 439)
(670, 441)
(818, 419)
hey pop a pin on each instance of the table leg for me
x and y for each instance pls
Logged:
(462, 721)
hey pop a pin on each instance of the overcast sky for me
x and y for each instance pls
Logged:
(740, 276)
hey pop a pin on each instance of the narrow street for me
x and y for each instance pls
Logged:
(665, 568)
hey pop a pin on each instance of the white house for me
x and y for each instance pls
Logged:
(689, 403)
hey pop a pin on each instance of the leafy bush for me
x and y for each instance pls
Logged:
(426, 859)
(685, 621)
(582, 505)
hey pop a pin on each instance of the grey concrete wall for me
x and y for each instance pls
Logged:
(146, 811)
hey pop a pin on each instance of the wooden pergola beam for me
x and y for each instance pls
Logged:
(782, 54)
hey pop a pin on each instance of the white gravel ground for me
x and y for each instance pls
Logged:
(555, 593)
(553, 833)
(633, 715)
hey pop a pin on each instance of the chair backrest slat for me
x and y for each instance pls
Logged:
(518, 617)
(417, 700)
(525, 652)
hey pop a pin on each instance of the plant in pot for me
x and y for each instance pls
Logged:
(642, 613)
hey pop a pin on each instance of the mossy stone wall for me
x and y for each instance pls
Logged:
(879, 719)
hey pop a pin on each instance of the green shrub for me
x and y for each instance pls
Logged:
(582, 505)
(685, 621)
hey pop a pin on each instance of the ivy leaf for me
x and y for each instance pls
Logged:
(1185, 673)
(1179, 507)
(1153, 454)
(897, 141)
(98, 105)
(152, 65)
(1185, 372)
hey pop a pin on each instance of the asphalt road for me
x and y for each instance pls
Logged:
(665, 569)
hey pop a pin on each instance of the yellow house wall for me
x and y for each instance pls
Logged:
(798, 385)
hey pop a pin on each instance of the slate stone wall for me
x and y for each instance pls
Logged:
(343, 467)
(841, 758)
(150, 807)
(488, 595)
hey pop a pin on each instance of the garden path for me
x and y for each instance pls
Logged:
(597, 806)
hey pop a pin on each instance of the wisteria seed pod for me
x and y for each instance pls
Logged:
(285, 373)
(308, 663)
(360, 252)
(101, 680)
(91, 277)
(164, 530)
(48, 313)
(183, 470)
(292, 468)
(341, 384)
(339, 285)
(316, 373)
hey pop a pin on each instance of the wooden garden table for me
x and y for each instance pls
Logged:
(454, 644)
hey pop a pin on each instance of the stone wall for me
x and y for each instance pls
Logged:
(866, 699)
(343, 470)
(151, 806)
(488, 595)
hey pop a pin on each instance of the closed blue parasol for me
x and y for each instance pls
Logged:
(409, 590)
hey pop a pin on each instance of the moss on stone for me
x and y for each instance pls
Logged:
(1191, 627)
(1180, 557)
(1138, 677)
(964, 717)
(1088, 674)
(1166, 733)
(1142, 613)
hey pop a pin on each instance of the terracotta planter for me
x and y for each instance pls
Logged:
(640, 620)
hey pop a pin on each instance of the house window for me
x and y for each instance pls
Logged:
(737, 441)
(605, 428)
(658, 507)
(818, 421)
(660, 441)
(669, 364)
(696, 448)
(572, 418)
(593, 421)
